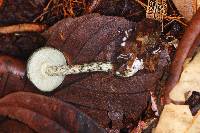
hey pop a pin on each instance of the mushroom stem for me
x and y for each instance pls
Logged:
(75, 69)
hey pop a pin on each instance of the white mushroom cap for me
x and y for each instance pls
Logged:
(36, 68)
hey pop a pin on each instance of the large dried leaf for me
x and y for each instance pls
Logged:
(98, 38)
(174, 119)
(189, 80)
(178, 119)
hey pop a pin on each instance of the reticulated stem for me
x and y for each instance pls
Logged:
(75, 69)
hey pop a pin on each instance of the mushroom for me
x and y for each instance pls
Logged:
(47, 68)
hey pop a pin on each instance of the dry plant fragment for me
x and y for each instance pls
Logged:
(157, 10)
(22, 28)
(94, 4)
(187, 8)
(184, 47)
(66, 8)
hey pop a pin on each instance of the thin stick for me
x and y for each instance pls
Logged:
(141, 3)
(93, 6)
(176, 19)
(46, 11)
(22, 28)
(47, 6)
(184, 47)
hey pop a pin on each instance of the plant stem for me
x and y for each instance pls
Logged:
(75, 69)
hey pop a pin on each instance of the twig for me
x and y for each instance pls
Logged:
(176, 19)
(46, 11)
(186, 43)
(47, 6)
(93, 6)
(71, 12)
(22, 28)
(142, 4)
(160, 13)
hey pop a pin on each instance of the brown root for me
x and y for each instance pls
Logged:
(22, 28)
(187, 42)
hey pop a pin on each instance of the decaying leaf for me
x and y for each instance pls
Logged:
(187, 8)
(13, 78)
(189, 80)
(93, 38)
(20, 45)
(12, 12)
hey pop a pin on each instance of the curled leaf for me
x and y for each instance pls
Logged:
(63, 115)
(13, 78)
(35, 121)
(16, 127)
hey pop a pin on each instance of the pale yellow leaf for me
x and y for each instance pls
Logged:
(174, 119)
(189, 80)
